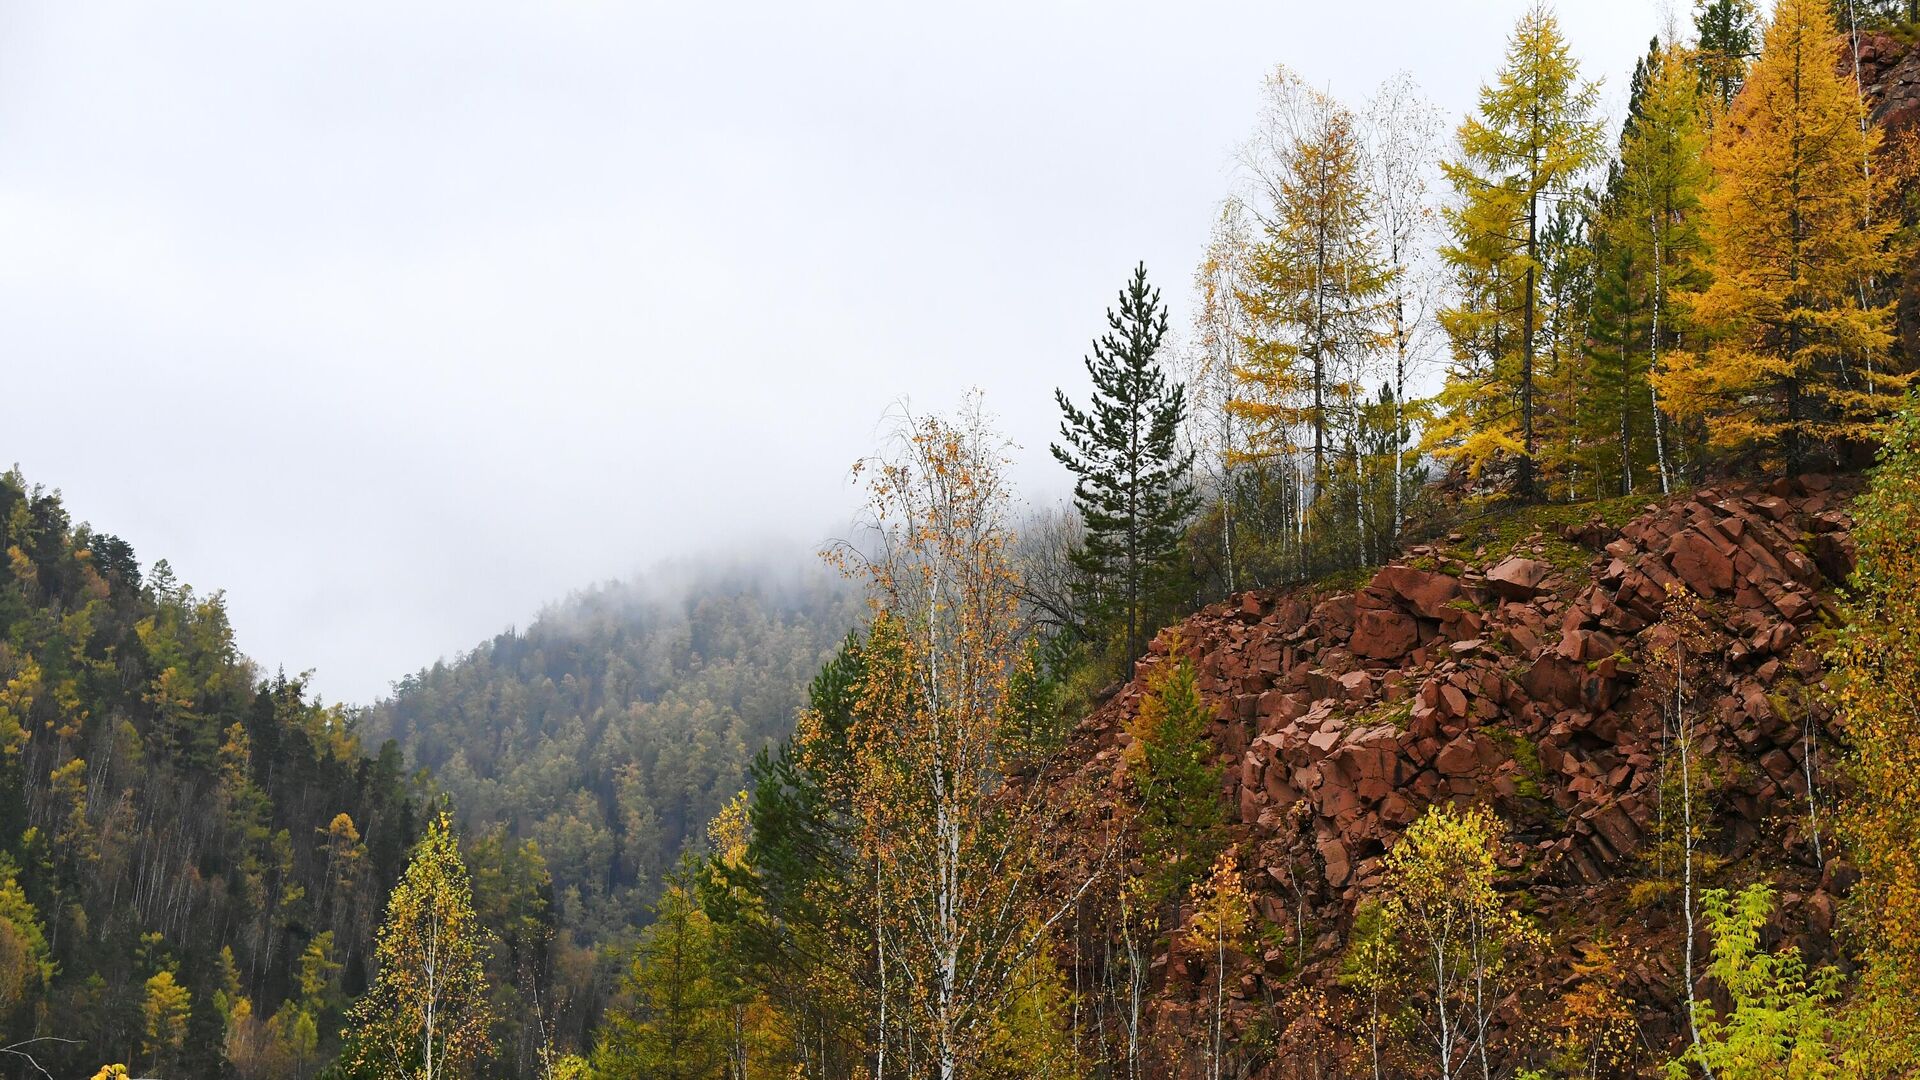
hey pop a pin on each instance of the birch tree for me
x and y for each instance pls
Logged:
(426, 1015)
(958, 854)
(1403, 136)
(1458, 933)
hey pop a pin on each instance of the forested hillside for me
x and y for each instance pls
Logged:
(1488, 648)
(193, 853)
(1607, 773)
(615, 726)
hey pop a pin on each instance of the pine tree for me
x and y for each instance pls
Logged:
(1792, 363)
(1531, 140)
(426, 1015)
(671, 1022)
(1727, 33)
(1131, 487)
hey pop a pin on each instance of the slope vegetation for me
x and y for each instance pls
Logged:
(1547, 673)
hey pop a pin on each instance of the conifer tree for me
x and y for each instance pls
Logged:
(1649, 248)
(1615, 426)
(1793, 363)
(1174, 773)
(1131, 488)
(1728, 35)
(25, 964)
(1530, 141)
(426, 1015)
(671, 1022)
(1566, 295)
(1315, 283)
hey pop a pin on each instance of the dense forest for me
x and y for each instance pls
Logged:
(195, 852)
(1486, 646)
(609, 732)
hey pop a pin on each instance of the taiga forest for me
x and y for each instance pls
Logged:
(1473, 633)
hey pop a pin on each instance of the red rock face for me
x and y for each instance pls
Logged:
(1524, 685)
(1384, 634)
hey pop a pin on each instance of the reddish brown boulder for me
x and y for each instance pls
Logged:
(1425, 591)
(1703, 566)
(1553, 679)
(1458, 758)
(1517, 578)
(1334, 853)
(1383, 635)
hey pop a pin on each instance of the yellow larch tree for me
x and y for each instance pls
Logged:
(1314, 281)
(1794, 364)
(1526, 148)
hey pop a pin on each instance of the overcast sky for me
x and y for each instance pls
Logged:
(398, 320)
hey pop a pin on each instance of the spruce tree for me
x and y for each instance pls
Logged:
(1649, 251)
(1729, 36)
(1132, 490)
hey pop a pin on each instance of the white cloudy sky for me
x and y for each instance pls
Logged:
(396, 320)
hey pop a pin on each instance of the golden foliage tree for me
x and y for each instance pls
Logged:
(1794, 359)
(1315, 283)
(426, 1015)
(165, 1012)
(1532, 138)
(1878, 667)
(1222, 920)
(1030, 1039)
(1458, 933)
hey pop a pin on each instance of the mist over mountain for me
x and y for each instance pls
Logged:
(613, 726)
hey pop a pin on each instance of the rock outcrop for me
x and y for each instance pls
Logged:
(1535, 680)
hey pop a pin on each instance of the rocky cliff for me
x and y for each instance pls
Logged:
(1528, 667)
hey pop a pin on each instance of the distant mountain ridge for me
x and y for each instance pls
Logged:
(611, 729)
